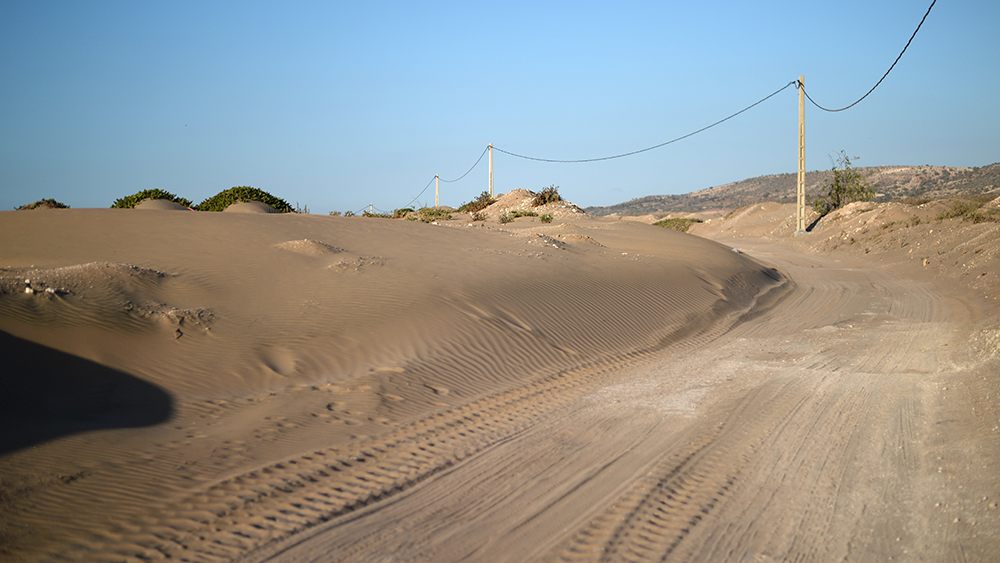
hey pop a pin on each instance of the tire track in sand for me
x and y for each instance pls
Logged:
(242, 514)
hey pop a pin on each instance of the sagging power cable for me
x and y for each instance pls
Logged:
(421, 192)
(663, 144)
(471, 168)
(872, 89)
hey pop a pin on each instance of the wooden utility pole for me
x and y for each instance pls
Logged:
(436, 191)
(491, 169)
(800, 185)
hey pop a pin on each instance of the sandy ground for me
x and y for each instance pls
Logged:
(245, 386)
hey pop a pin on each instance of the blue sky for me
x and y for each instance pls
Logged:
(336, 105)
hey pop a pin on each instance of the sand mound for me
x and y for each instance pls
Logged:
(77, 277)
(580, 238)
(307, 247)
(250, 207)
(757, 220)
(891, 232)
(515, 199)
(862, 214)
(313, 374)
(523, 200)
(101, 294)
(852, 209)
(160, 205)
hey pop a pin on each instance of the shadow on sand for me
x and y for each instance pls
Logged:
(815, 222)
(46, 394)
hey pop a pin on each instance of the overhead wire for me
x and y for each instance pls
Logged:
(471, 168)
(872, 89)
(421, 192)
(663, 144)
(796, 83)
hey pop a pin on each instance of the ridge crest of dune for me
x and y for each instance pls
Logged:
(160, 205)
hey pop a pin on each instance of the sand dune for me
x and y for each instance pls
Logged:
(216, 386)
(253, 207)
(294, 342)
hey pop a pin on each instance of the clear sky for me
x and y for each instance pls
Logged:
(336, 105)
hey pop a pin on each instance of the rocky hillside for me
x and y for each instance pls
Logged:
(891, 183)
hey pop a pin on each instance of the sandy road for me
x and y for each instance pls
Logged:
(848, 419)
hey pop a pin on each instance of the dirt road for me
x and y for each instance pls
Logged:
(853, 416)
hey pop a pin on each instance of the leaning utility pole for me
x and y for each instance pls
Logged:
(800, 185)
(436, 191)
(491, 169)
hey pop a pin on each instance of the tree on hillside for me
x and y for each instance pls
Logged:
(848, 185)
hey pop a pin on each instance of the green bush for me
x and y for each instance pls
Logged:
(681, 224)
(547, 218)
(131, 201)
(335, 214)
(505, 217)
(962, 208)
(547, 195)
(478, 216)
(429, 214)
(47, 203)
(482, 202)
(402, 212)
(518, 213)
(348, 214)
(374, 215)
(971, 210)
(847, 186)
(225, 198)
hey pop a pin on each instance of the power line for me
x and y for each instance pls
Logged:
(431, 181)
(471, 168)
(421, 192)
(663, 144)
(796, 83)
(856, 102)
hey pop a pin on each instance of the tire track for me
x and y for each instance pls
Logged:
(652, 520)
(240, 515)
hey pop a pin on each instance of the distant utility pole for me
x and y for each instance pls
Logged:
(800, 185)
(491, 169)
(436, 191)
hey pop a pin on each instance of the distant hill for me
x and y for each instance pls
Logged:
(889, 182)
